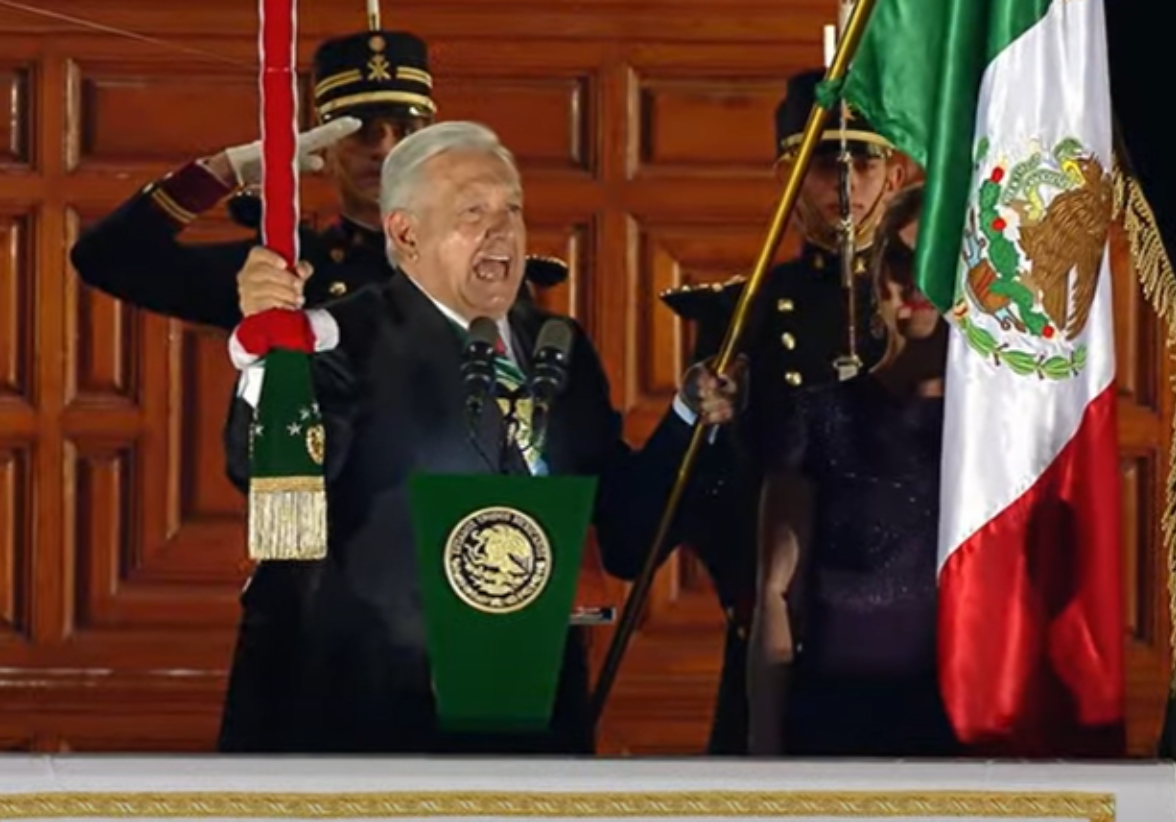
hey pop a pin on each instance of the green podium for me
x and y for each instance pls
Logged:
(499, 557)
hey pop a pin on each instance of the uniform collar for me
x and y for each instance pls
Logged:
(352, 233)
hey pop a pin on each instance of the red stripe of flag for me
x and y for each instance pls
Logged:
(1031, 611)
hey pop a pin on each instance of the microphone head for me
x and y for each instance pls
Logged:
(483, 332)
(553, 350)
(477, 366)
(556, 337)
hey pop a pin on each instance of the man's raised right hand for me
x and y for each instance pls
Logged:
(241, 165)
(266, 282)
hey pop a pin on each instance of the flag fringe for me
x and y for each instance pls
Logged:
(287, 518)
(1154, 270)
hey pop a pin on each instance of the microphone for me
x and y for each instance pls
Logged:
(477, 367)
(549, 371)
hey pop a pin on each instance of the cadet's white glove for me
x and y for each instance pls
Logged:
(246, 160)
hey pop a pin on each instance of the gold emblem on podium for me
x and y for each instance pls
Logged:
(498, 560)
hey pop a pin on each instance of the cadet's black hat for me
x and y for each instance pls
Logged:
(793, 112)
(376, 73)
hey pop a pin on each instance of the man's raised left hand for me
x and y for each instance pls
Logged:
(716, 398)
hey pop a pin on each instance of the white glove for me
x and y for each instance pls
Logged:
(246, 159)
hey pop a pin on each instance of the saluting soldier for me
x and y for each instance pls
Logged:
(797, 333)
(371, 90)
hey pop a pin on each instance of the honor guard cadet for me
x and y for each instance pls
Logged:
(798, 336)
(371, 90)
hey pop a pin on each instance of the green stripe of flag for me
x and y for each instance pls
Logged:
(927, 107)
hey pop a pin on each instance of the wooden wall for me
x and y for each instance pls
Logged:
(644, 129)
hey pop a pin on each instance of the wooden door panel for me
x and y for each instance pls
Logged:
(1143, 366)
(546, 121)
(18, 322)
(670, 108)
(127, 112)
(14, 126)
(571, 242)
(16, 539)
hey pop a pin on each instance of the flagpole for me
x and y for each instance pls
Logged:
(639, 593)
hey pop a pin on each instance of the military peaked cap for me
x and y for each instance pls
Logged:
(793, 112)
(373, 74)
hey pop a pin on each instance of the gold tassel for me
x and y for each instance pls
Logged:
(1150, 260)
(287, 518)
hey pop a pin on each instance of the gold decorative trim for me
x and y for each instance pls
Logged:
(269, 485)
(543, 258)
(851, 135)
(1090, 807)
(715, 286)
(1158, 282)
(287, 519)
(170, 207)
(405, 97)
(415, 74)
(343, 78)
(1156, 276)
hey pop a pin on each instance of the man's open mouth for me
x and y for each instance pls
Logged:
(492, 267)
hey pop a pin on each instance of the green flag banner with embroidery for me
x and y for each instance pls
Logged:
(287, 493)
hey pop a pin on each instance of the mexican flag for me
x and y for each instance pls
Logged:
(1006, 105)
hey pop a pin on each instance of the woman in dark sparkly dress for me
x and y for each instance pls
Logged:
(844, 641)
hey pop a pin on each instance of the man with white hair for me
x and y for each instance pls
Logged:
(388, 382)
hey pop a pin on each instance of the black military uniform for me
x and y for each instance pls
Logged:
(135, 253)
(797, 331)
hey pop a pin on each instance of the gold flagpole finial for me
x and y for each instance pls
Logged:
(373, 15)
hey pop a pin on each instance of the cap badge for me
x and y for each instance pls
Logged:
(378, 68)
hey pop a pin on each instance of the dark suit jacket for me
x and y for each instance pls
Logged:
(393, 405)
